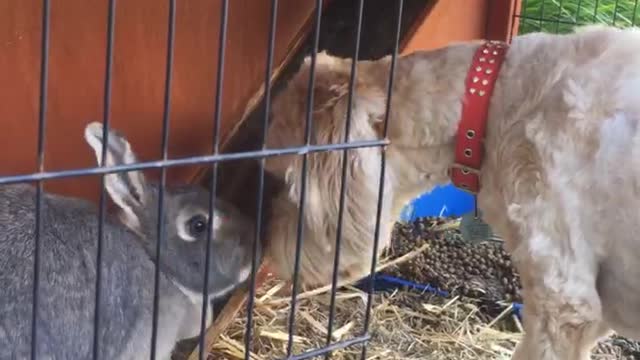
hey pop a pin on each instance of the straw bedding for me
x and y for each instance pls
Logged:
(474, 322)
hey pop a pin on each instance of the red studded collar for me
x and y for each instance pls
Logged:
(480, 82)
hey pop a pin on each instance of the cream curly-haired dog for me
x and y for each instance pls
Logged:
(559, 179)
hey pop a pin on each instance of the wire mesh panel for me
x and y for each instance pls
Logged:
(561, 16)
(98, 348)
(302, 196)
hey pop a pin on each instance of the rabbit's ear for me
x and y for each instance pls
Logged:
(127, 189)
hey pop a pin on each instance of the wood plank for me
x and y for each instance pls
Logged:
(502, 23)
(77, 68)
(449, 21)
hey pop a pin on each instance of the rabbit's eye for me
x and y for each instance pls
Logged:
(197, 225)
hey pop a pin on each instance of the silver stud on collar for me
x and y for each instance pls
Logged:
(472, 90)
(475, 79)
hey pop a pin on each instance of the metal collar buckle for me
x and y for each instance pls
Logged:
(466, 170)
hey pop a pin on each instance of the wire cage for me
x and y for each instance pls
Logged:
(561, 16)
(213, 159)
(534, 15)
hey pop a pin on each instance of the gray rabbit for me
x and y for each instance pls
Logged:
(68, 265)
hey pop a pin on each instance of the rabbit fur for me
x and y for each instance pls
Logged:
(68, 248)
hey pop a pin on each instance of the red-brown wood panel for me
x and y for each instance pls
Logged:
(502, 24)
(77, 73)
(450, 21)
(462, 20)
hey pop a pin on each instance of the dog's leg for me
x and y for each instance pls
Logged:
(562, 314)
(558, 268)
(546, 338)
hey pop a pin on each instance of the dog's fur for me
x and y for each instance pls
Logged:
(560, 179)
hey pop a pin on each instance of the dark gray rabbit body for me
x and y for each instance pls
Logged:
(68, 276)
(68, 267)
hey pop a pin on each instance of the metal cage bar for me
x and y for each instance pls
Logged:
(163, 173)
(42, 124)
(561, 16)
(333, 347)
(192, 160)
(383, 163)
(558, 15)
(303, 185)
(343, 175)
(102, 210)
(595, 10)
(222, 39)
(261, 176)
(212, 160)
(163, 164)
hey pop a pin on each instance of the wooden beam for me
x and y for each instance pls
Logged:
(449, 21)
(415, 26)
(502, 22)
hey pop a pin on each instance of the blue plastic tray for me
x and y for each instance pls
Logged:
(442, 201)
(383, 282)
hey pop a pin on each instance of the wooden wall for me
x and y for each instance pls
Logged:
(77, 74)
(462, 20)
(77, 68)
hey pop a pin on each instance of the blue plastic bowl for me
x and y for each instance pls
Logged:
(445, 201)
